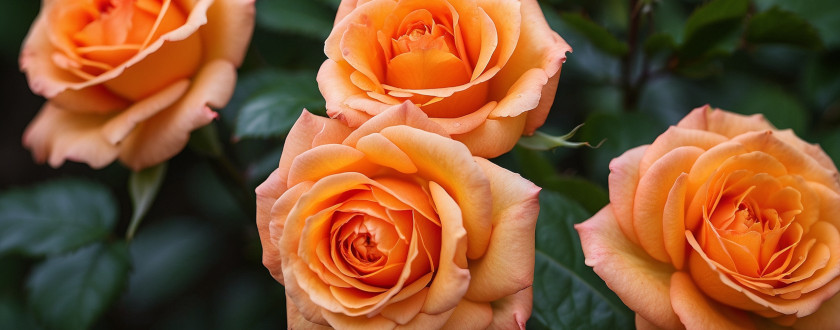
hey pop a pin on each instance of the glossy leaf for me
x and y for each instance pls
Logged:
(567, 293)
(779, 26)
(597, 34)
(55, 217)
(169, 257)
(71, 291)
(309, 18)
(274, 107)
(821, 14)
(143, 187)
(712, 27)
(543, 141)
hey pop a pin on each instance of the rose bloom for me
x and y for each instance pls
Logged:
(486, 71)
(723, 222)
(130, 79)
(394, 224)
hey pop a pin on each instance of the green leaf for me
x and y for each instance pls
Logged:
(780, 26)
(143, 187)
(620, 132)
(13, 314)
(776, 104)
(272, 109)
(821, 14)
(55, 217)
(543, 141)
(567, 293)
(169, 257)
(713, 27)
(205, 141)
(598, 35)
(659, 42)
(71, 291)
(308, 18)
(535, 166)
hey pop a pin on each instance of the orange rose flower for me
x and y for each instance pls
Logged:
(130, 79)
(486, 71)
(723, 222)
(395, 224)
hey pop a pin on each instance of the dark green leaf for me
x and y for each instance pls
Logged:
(567, 293)
(273, 108)
(205, 141)
(309, 18)
(779, 26)
(13, 314)
(252, 300)
(713, 27)
(777, 105)
(543, 141)
(659, 42)
(598, 35)
(830, 142)
(535, 166)
(262, 168)
(143, 187)
(169, 256)
(55, 217)
(620, 132)
(821, 14)
(71, 291)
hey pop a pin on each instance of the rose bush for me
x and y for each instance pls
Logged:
(723, 222)
(130, 79)
(486, 71)
(395, 224)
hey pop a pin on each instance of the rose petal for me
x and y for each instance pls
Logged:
(166, 133)
(450, 164)
(723, 122)
(494, 136)
(513, 311)
(56, 135)
(623, 180)
(230, 25)
(470, 315)
(453, 277)
(641, 282)
(296, 320)
(508, 265)
(403, 114)
(654, 187)
(697, 312)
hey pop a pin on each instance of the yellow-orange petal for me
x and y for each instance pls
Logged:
(513, 311)
(676, 137)
(623, 180)
(494, 136)
(724, 123)
(470, 315)
(453, 276)
(336, 87)
(230, 24)
(94, 100)
(303, 134)
(508, 265)
(642, 283)
(450, 164)
(405, 113)
(698, 312)
(56, 135)
(167, 132)
(654, 187)
(295, 319)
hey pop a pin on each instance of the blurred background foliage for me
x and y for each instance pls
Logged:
(195, 261)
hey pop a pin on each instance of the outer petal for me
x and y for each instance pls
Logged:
(723, 122)
(698, 312)
(825, 318)
(405, 113)
(228, 30)
(494, 137)
(641, 282)
(470, 315)
(56, 135)
(450, 164)
(165, 134)
(513, 311)
(508, 265)
(296, 321)
(623, 179)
